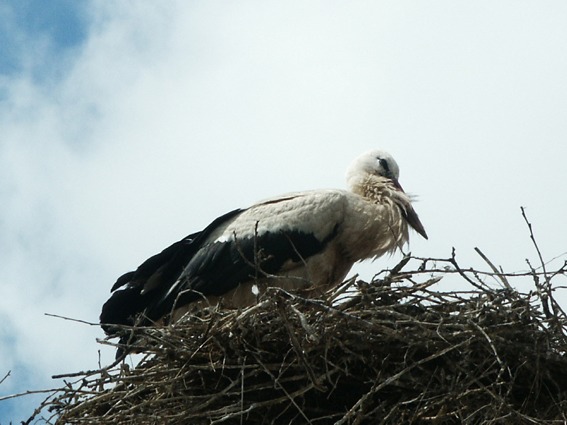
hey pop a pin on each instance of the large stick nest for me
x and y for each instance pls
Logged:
(395, 350)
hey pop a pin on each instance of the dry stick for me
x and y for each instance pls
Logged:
(494, 269)
(500, 362)
(304, 324)
(544, 296)
(375, 388)
(242, 385)
(5, 376)
(396, 270)
(229, 415)
(85, 373)
(291, 396)
(297, 347)
(71, 319)
(478, 272)
(29, 392)
(534, 241)
(453, 261)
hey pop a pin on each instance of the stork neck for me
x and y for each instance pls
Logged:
(379, 190)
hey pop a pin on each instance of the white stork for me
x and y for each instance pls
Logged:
(296, 241)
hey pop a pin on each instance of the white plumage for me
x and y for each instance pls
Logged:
(305, 240)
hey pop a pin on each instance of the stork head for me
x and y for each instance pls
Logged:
(378, 163)
(374, 163)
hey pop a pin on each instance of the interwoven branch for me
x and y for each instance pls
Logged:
(395, 350)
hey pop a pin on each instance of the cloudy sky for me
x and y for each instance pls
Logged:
(127, 125)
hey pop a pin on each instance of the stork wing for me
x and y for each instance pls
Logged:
(137, 291)
(262, 241)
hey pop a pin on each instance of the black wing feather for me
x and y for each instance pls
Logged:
(222, 266)
(131, 296)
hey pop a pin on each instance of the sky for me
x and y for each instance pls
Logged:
(126, 125)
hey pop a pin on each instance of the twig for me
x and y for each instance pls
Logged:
(5, 376)
(29, 392)
(84, 322)
(543, 291)
(494, 269)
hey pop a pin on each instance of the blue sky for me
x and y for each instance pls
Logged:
(55, 27)
(125, 126)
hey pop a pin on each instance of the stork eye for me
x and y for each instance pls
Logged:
(384, 165)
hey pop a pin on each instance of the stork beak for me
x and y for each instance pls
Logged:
(410, 214)
(397, 184)
(413, 220)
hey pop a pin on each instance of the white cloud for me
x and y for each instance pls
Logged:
(171, 114)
